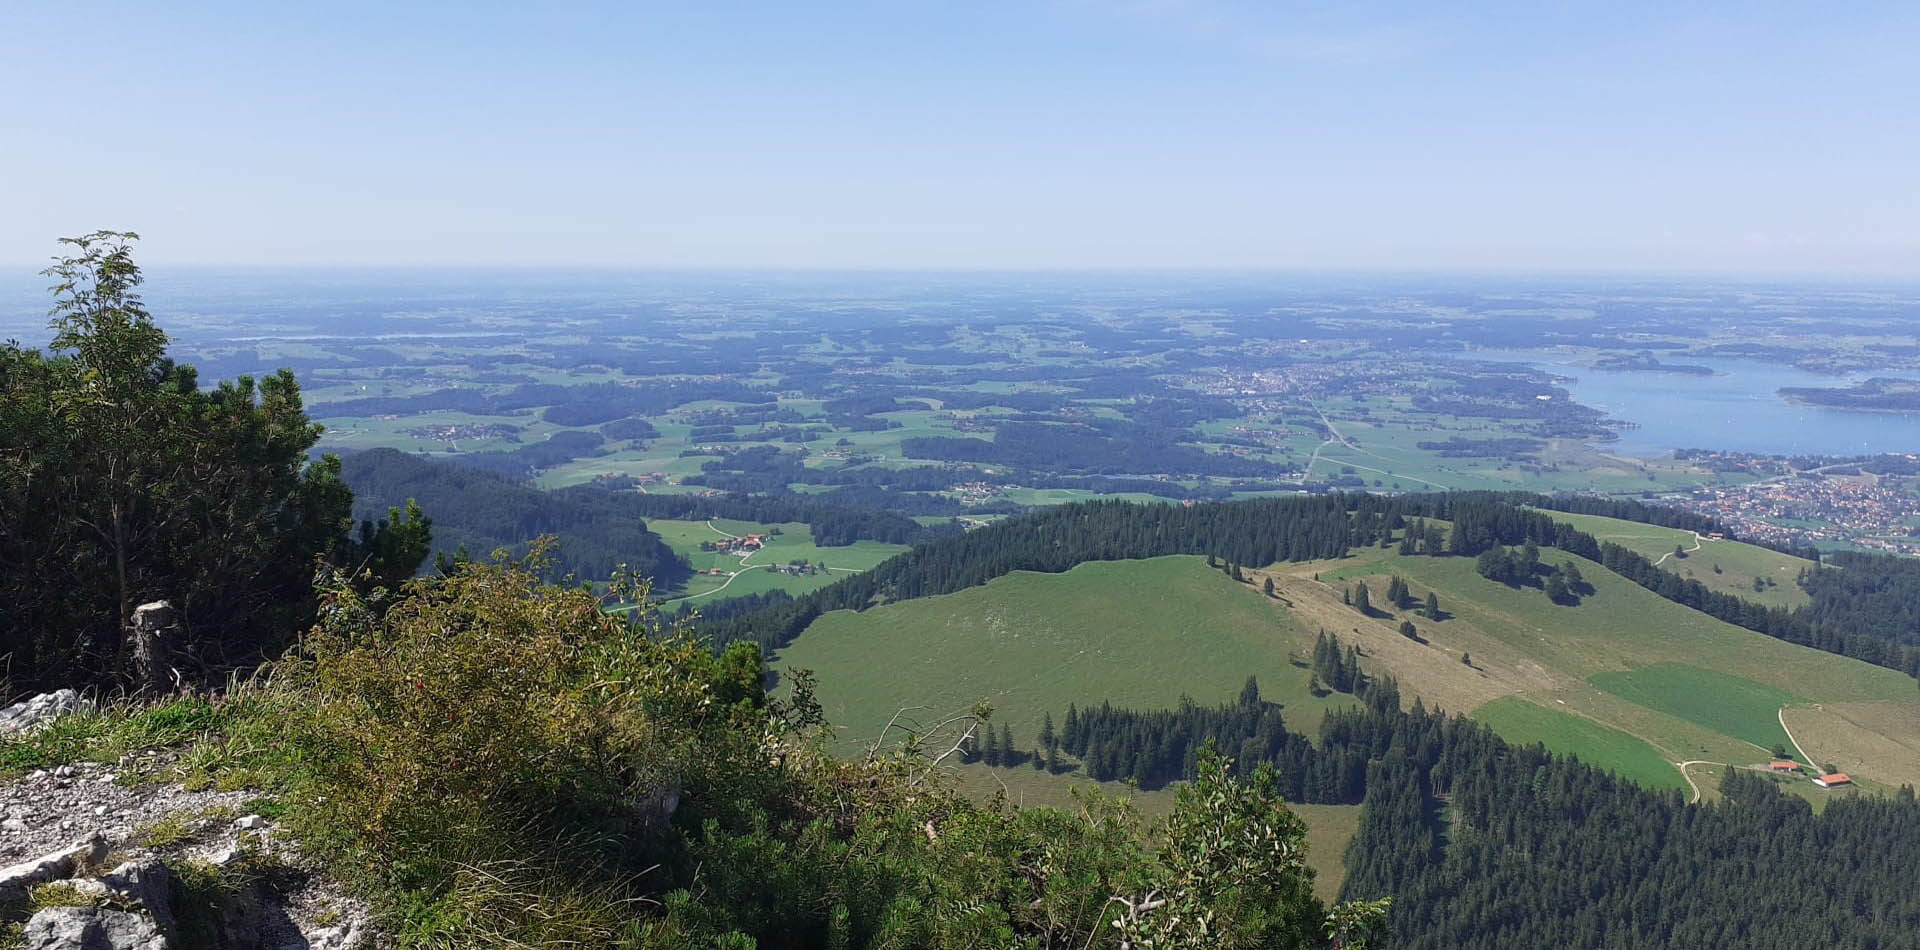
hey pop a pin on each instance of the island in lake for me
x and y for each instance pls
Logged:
(1645, 362)
(1879, 394)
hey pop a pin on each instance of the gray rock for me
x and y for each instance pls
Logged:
(92, 928)
(144, 884)
(40, 711)
(17, 880)
(249, 822)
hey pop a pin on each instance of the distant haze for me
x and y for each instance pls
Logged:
(1754, 138)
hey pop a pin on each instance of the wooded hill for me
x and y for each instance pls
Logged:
(1262, 531)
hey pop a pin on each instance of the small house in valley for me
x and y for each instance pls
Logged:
(1833, 780)
(1781, 765)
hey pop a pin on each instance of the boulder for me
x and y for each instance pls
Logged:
(92, 928)
(40, 711)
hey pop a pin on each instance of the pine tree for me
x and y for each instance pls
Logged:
(1433, 606)
(1008, 753)
(1267, 588)
(1360, 601)
(1072, 735)
(1047, 739)
(1242, 578)
(1250, 693)
(989, 747)
(1407, 630)
(1212, 561)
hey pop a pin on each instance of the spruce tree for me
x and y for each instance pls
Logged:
(1047, 738)
(1250, 693)
(1433, 606)
(989, 747)
(1267, 588)
(1009, 753)
(1360, 601)
(1557, 589)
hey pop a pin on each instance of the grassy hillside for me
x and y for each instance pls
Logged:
(1623, 662)
(1518, 720)
(1136, 633)
(1739, 564)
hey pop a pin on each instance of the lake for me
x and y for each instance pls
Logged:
(1738, 408)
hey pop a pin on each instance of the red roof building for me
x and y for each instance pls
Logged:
(1781, 766)
(1833, 780)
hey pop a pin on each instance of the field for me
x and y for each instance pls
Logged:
(1881, 739)
(748, 574)
(1687, 685)
(1726, 704)
(1523, 722)
(1738, 564)
(1135, 633)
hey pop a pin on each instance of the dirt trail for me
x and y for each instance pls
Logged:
(1698, 543)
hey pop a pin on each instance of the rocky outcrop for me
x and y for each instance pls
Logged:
(64, 824)
(40, 711)
(93, 928)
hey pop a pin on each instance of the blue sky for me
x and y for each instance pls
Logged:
(1739, 137)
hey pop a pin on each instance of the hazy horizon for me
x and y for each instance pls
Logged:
(1070, 135)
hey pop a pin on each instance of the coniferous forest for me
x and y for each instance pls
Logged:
(1485, 844)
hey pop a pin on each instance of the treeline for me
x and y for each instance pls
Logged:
(1155, 747)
